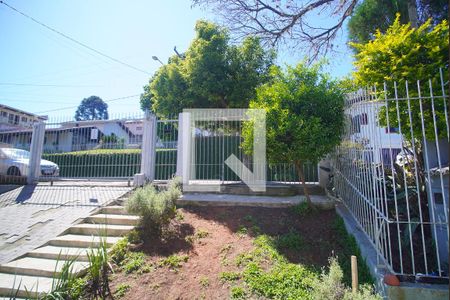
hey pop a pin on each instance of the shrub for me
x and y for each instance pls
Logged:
(330, 286)
(156, 208)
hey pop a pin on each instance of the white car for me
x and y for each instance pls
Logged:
(16, 162)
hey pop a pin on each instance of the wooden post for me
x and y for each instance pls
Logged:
(354, 274)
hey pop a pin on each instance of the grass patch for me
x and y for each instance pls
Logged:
(133, 262)
(350, 247)
(237, 292)
(173, 261)
(229, 276)
(291, 240)
(302, 209)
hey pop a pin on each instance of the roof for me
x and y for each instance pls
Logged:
(23, 112)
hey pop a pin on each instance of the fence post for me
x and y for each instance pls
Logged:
(180, 146)
(184, 147)
(148, 158)
(37, 144)
(324, 169)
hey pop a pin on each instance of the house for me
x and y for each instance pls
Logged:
(382, 144)
(15, 119)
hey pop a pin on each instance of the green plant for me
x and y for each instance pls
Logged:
(119, 251)
(121, 290)
(301, 209)
(204, 282)
(330, 286)
(179, 216)
(242, 231)
(229, 276)
(97, 272)
(133, 262)
(304, 115)
(134, 236)
(237, 292)
(350, 247)
(291, 240)
(63, 281)
(250, 219)
(156, 208)
(173, 261)
(201, 233)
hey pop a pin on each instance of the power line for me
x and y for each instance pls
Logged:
(44, 85)
(71, 107)
(73, 40)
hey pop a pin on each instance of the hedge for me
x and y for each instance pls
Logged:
(210, 152)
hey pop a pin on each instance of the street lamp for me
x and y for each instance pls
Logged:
(156, 58)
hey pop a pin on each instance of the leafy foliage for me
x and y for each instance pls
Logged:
(156, 208)
(98, 270)
(329, 286)
(213, 74)
(372, 15)
(407, 54)
(304, 115)
(121, 290)
(92, 108)
(174, 261)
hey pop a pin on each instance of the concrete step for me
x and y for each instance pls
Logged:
(114, 210)
(113, 219)
(39, 267)
(54, 252)
(100, 229)
(210, 199)
(13, 286)
(84, 241)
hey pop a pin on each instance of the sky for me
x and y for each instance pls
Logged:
(43, 73)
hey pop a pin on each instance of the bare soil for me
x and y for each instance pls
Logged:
(198, 278)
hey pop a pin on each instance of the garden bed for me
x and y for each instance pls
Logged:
(232, 252)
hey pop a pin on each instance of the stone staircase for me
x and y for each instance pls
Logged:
(33, 273)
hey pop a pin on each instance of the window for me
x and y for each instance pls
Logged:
(11, 118)
(363, 118)
(391, 130)
(139, 128)
(24, 119)
(438, 199)
(356, 124)
(4, 114)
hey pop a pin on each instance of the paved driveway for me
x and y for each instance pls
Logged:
(33, 214)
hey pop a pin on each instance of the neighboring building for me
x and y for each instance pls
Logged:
(381, 142)
(15, 119)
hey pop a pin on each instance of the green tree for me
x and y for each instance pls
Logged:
(304, 116)
(146, 99)
(372, 15)
(406, 54)
(212, 74)
(92, 108)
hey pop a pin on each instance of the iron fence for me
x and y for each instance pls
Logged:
(392, 172)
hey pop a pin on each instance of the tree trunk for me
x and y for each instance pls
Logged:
(412, 13)
(301, 176)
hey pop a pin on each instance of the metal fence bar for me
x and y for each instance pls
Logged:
(391, 171)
